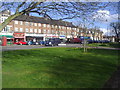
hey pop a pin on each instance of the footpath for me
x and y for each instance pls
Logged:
(114, 81)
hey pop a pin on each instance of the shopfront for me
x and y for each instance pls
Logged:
(19, 37)
(34, 37)
(6, 40)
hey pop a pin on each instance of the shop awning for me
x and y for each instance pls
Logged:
(8, 36)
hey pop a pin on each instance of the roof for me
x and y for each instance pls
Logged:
(43, 20)
(5, 12)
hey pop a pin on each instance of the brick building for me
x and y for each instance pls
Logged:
(37, 28)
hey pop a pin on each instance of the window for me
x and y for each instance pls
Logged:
(39, 24)
(44, 25)
(48, 25)
(77, 30)
(31, 23)
(26, 30)
(21, 29)
(2, 19)
(31, 30)
(44, 31)
(21, 22)
(16, 22)
(35, 24)
(35, 30)
(26, 23)
(48, 31)
(59, 26)
(53, 31)
(75, 33)
(56, 26)
(89, 31)
(16, 29)
(52, 26)
(39, 30)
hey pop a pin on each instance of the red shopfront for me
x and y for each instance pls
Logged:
(19, 37)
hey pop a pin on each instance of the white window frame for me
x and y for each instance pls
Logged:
(35, 24)
(44, 31)
(16, 22)
(21, 29)
(26, 30)
(39, 24)
(16, 29)
(35, 30)
(26, 23)
(39, 30)
(21, 23)
(31, 30)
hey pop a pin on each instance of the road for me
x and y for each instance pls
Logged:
(22, 47)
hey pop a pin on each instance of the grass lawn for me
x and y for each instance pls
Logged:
(58, 68)
(109, 45)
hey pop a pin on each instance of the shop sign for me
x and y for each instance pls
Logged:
(82, 37)
(19, 35)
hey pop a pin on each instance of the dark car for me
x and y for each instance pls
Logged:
(105, 41)
(52, 42)
(90, 41)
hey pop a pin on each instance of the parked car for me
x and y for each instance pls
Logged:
(75, 40)
(90, 41)
(52, 42)
(105, 41)
(21, 43)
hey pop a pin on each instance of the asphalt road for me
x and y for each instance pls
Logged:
(22, 47)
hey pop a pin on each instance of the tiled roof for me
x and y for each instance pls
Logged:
(43, 20)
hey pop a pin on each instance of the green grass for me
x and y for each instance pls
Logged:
(109, 45)
(58, 68)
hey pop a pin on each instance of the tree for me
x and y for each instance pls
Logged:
(116, 30)
(63, 10)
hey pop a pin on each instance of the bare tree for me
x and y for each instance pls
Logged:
(116, 29)
(63, 10)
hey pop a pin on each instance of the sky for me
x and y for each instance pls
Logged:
(103, 17)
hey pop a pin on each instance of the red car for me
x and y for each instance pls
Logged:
(20, 43)
(75, 40)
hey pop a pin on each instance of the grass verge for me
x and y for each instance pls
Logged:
(58, 68)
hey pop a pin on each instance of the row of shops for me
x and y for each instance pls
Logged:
(11, 38)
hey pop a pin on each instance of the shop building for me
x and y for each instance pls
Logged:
(37, 28)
